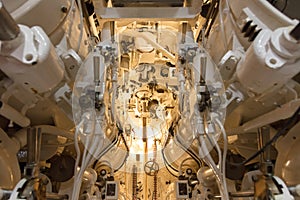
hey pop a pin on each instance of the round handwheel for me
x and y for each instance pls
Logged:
(151, 168)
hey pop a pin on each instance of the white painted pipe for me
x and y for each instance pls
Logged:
(285, 111)
(12, 114)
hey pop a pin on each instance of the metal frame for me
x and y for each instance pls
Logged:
(142, 13)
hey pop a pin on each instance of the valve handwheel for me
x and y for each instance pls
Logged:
(151, 168)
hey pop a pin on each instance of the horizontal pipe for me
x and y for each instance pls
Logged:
(9, 29)
(283, 112)
(12, 114)
(54, 196)
(21, 136)
(242, 194)
(295, 190)
(5, 194)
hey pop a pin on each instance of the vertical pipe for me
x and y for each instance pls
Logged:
(96, 62)
(265, 157)
(157, 33)
(9, 29)
(260, 144)
(264, 137)
(184, 28)
(30, 145)
(144, 129)
(112, 31)
(203, 63)
(145, 142)
(144, 122)
(34, 140)
(154, 196)
(98, 87)
(38, 144)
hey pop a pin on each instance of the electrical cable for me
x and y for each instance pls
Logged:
(77, 157)
(167, 167)
(77, 177)
(225, 147)
(188, 151)
(214, 143)
(106, 150)
(218, 170)
(167, 162)
(87, 156)
(203, 152)
(127, 152)
(191, 153)
(163, 151)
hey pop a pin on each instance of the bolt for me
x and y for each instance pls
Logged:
(254, 178)
(191, 53)
(233, 59)
(64, 9)
(238, 100)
